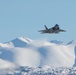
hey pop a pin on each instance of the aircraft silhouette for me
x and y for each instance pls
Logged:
(56, 29)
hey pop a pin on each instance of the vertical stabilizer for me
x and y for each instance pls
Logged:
(45, 27)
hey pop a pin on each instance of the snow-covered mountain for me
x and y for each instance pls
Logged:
(21, 42)
(56, 42)
(18, 42)
(73, 42)
(26, 52)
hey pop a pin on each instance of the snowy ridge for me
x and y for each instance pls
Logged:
(24, 39)
(10, 44)
(21, 42)
(56, 42)
(72, 42)
(39, 71)
(18, 42)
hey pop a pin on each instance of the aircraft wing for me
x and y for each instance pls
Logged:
(61, 30)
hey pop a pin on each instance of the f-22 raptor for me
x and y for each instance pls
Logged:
(56, 29)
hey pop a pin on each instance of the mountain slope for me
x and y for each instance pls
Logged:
(39, 53)
(21, 42)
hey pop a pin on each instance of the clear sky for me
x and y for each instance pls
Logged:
(26, 17)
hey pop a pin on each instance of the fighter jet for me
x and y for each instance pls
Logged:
(56, 29)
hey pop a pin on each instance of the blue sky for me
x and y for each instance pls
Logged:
(25, 17)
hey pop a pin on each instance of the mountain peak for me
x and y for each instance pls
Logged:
(72, 42)
(56, 41)
(24, 39)
(21, 41)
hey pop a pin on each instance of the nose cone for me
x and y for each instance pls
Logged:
(61, 30)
